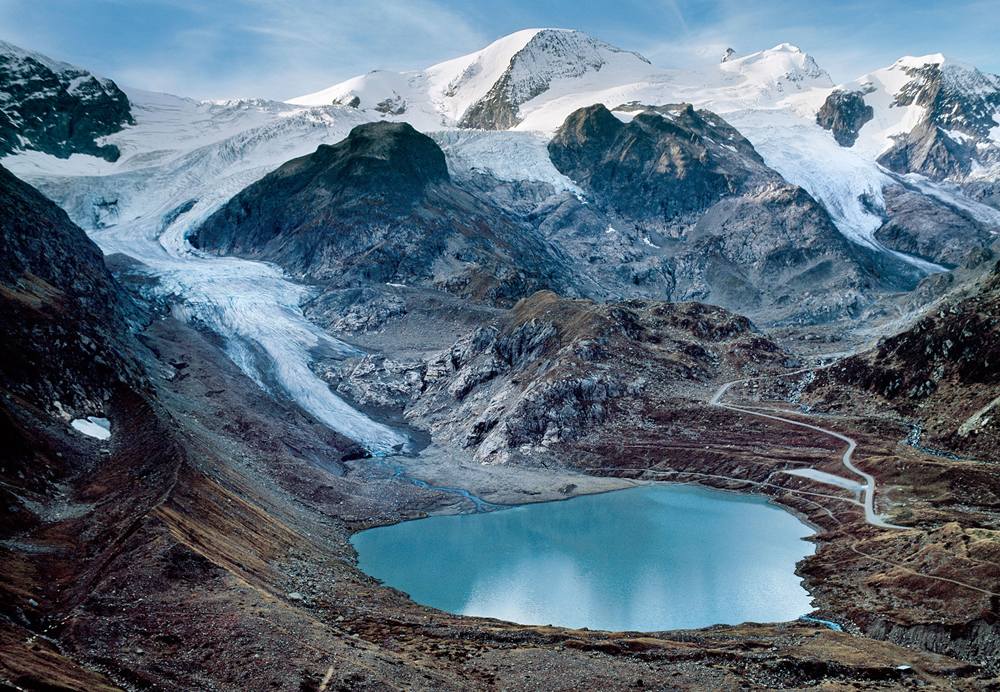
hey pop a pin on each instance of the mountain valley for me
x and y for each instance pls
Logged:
(523, 275)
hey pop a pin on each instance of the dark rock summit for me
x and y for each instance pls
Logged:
(726, 228)
(57, 108)
(665, 164)
(380, 207)
(844, 113)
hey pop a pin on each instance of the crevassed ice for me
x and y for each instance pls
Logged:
(252, 305)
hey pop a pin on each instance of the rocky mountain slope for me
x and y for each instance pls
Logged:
(941, 373)
(67, 319)
(730, 230)
(692, 210)
(907, 116)
(380, 207)
(56, 108)
(552, 372)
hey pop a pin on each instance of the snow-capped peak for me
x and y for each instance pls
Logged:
(9, 50)
(783, 63)
(15, 59)
(956, 76)
(472, 89)
(730, 54)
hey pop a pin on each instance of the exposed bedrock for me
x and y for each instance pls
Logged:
(844, 113)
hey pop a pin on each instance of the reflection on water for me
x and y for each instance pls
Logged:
(646, 559)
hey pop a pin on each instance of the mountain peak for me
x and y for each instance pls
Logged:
(779, 67)
(550, 55)
(51, 106)
(485, 89)
(730, 54)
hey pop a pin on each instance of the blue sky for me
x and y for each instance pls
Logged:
(285, 48)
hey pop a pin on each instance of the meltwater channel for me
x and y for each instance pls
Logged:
(644, 559)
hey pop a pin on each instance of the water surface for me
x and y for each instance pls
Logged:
(646, 559)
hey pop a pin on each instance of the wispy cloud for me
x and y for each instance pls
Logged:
(285, 48)
(268, 48)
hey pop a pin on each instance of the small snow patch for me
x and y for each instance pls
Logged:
(611, 229)
(389, 283)
(93, 427)
(956, 136)
(649, 242)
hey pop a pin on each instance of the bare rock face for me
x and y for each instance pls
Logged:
(984, 191)
(930, 151)
(724, 227)
(844, 113)
(57, 108)
(954, 134)
(379, 207)
(554, 371)
(928, 228)
(666, 164)
(65, 316)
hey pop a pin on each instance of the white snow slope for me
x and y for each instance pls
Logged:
(184, 159)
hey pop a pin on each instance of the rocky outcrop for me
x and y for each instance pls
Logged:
(953, 137)
(922, 226)
(844, 113)
(552, 372)
(941, 373)
(57, 108)
(977, 641)
(380, 207)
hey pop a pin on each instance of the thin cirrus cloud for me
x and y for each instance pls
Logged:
(285, 48)
(848, 38)
(214, 49)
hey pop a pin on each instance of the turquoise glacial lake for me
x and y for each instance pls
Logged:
(643, 559)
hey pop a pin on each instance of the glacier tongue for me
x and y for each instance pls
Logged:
(252, 305)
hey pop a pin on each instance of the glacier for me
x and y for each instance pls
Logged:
(183, 159)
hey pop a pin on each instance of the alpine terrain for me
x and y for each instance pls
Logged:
(239, 332)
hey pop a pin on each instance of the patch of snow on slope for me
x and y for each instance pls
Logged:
(92, 426)
(505, 155)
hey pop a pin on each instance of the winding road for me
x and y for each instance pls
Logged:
(868, 501)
